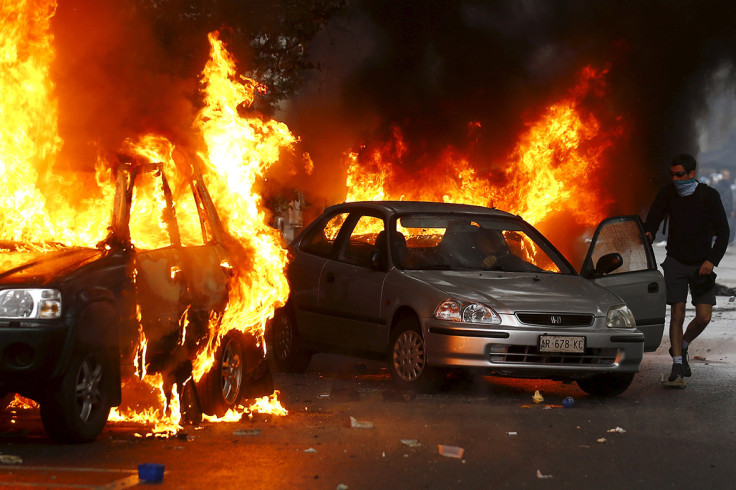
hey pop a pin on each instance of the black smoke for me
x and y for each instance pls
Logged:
(433, 66)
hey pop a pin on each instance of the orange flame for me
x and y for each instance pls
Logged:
(42, 208)
(552, 168)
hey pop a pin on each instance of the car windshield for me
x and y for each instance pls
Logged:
(473, 242)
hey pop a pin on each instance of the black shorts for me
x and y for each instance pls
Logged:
(678, 277)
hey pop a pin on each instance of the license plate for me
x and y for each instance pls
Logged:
(561, 343)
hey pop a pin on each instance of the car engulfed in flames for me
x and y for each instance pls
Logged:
(78, 323)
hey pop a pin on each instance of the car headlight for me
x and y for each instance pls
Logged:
(458, 311)
(30, 303)
(620, 317)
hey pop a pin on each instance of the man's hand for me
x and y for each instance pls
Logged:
(649, 237)
(706, 268)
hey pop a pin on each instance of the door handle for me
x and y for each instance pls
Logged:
(330, 277)
(652, 287)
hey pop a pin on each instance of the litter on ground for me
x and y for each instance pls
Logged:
(450, 451)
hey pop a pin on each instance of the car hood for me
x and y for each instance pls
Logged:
(508, 292)
(44, 268)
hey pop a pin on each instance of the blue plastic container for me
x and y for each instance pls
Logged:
(151, 472)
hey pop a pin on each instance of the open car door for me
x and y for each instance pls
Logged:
(632, 274)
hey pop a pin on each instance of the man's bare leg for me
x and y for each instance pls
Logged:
(697, 325)
(677, 319)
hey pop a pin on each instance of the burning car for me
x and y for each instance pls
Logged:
(436, 286)
(77, 322)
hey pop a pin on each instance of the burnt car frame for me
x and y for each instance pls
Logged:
(425, 301)
(71, 320)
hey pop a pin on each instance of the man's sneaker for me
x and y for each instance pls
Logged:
(685, 365)
(677, 376)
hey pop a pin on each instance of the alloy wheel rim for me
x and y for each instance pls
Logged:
(409, 356)
(232, 372)
(87, 388)
(283, 338)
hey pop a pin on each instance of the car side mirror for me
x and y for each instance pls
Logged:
(378, 260)
(608, 263)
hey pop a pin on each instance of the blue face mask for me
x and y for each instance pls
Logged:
(685, 187)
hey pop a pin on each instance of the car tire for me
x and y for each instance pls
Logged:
(221, 388)
(606, 384)
(191, 409)
(408, 359)
(286, 348)
(76, 409)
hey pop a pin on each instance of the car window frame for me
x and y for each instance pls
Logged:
(346, 231)
(530, 231)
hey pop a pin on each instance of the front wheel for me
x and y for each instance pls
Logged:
(222, 386)
(606, 384)
(408, 359)
(76, 410)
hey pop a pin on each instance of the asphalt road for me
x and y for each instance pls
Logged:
(648, 437)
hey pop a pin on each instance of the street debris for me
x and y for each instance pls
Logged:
(411, 442)
(602, 440)
(568, 402)
(677, 383)
(247, 432)
(617, 429)
(360, 424)
(450, 451)
(538, 398)
(699, 358)
(151, 472)
(542, 476)
(512, 433)
(310, 450)
(10, 459)
(342, 486)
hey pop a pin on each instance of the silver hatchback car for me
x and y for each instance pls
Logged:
(436, 286)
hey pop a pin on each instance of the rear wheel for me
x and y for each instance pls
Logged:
(76, 410)
(222, 387)
(288, 354)
(408, 359)
(606, 384)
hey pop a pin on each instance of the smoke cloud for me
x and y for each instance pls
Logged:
(431, 67)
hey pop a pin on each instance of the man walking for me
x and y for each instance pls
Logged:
(693, 214)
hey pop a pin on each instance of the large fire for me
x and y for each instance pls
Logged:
(552, 169)
(41, 208)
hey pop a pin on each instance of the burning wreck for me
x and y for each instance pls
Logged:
(70, 317)
(168, 299)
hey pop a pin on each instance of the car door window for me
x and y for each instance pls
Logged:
(321, 238)
(623, 236)
(362, 241)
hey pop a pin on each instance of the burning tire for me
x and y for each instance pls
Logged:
(408, 359)
(222, 387)
(76, 410)
(606, 384)
(288, 354)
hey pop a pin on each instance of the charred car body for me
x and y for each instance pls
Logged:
(71, 320)
(435, 286)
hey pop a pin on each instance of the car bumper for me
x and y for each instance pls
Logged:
(514, 351)
(30, 352)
